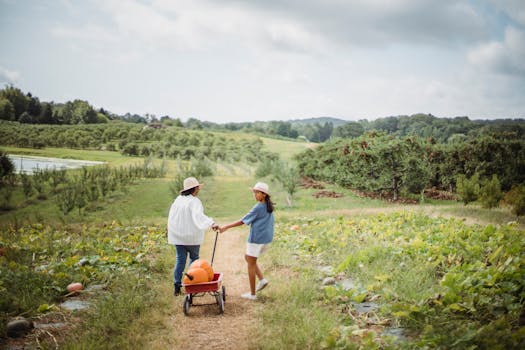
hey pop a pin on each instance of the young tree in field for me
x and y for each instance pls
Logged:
(183, 171)
(265, 168)
(27, 185)
(57, 177)
(81, 199)
(288, 177)
(490, 193)
(7, 180)
(516, 199)
(7, 167)
(201, 167)
(468, 189)
(66, 199)
(39, 183)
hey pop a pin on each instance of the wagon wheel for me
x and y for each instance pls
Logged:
(224, 293)
(219, 297)
(187, 303)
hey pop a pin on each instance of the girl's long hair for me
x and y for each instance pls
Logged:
(269, 203)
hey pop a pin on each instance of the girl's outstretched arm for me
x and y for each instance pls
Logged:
(228, 226)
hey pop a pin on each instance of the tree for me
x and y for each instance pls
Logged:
(183, 171)
(193, 123)
(25, 118)
(349, 130)
(288, 177)
(468, 189)
(17, 99)
(516, 199)
(46, 114)
(27, 185)
(490, 193)
(7, 167)
(7, 111)
(34, 108)
(325, 131)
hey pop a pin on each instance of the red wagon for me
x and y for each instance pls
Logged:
(213, 288)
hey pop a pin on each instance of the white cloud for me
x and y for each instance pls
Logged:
(378, 22)
(506, 57)
(8, 76)
(515, 9)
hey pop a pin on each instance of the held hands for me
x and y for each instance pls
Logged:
(218, 228)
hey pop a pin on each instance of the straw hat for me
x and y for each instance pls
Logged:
(190, 183)
(262, 187)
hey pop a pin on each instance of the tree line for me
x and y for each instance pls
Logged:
(395, 166)
(133, 140)
(441, 130)
(28, 109)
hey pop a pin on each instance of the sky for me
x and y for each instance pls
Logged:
(259, 60)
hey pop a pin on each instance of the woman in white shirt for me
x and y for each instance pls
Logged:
(186, 226)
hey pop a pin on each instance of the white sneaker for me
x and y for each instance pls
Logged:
(262, 283)
(249, 296)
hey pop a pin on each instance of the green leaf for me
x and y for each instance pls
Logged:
(360, 297)
(44, 308)
(495, 255)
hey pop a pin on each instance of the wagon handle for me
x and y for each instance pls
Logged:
(214, 245)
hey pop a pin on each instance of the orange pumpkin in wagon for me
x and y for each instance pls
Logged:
(203, 264)
(195, 275)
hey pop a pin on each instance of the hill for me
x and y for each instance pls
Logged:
(320, 120)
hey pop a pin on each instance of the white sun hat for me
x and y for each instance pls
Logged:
(190, 183)
(262, 187)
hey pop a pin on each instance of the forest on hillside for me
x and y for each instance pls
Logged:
(392, 157)
(15, 105)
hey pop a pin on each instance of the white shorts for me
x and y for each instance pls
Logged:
(254, 249)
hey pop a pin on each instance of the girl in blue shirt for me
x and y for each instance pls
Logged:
(261, 220)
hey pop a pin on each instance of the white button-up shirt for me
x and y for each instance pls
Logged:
(187, 222)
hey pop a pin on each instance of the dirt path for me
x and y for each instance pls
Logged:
(205, 327)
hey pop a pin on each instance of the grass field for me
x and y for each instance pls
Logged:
(285, 149)
(381, 249)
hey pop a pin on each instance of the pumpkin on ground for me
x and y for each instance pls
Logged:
(203, 264)
(74, 287)
(195, 275)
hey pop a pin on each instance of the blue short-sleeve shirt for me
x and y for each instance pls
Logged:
(261, 224)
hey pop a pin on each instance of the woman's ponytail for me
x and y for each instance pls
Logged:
(269, 203)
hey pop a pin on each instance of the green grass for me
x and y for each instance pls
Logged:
(500, 216)
(294, 313)
(291, 316)
(285, 149)
(147, 201)
(108, 323)
(227, 197)
(113, 158)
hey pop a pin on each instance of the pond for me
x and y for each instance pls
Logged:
(28, 164)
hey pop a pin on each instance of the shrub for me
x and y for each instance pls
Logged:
(201, 167)
(6, 166)
(183, 171)
(27, 185)
(265, 168)
(288, 177)
(516, 199)
(490, 193)
(468, 189)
